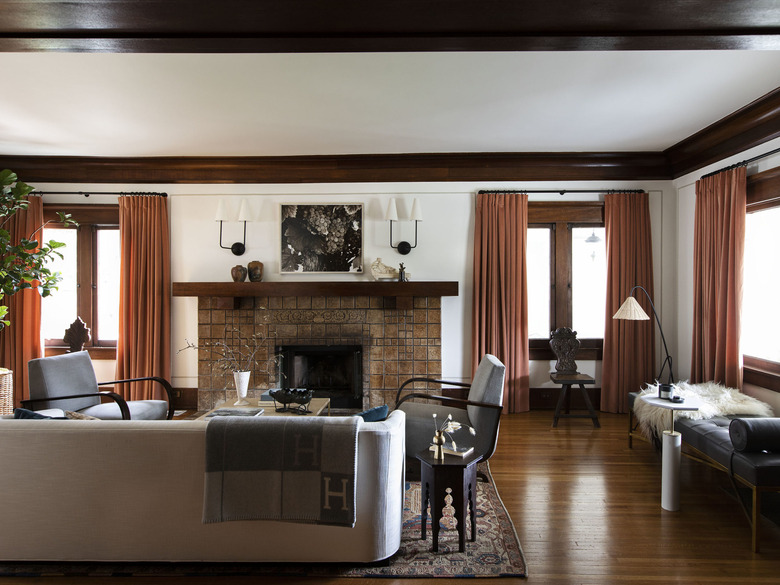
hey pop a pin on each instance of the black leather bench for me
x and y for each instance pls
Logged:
(708, 441)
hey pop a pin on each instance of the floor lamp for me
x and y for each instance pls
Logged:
(631, 310)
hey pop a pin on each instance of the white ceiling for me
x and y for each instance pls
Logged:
(96, 104)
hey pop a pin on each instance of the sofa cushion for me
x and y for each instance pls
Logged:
(31, 414)
(378, 413)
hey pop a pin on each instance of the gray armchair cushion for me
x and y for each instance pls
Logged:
(139, 410)
(63, 375)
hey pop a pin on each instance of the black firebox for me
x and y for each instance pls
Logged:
(330, 371)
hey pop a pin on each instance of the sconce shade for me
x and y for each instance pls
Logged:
(631, 310)
(392, 211)
(221, 214)
(243, 213)
(416, 211)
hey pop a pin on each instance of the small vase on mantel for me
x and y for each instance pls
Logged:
(242, 385)
(238, 273)
(255, 269)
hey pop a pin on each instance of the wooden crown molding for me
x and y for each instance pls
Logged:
(750, 126)
(343, 168)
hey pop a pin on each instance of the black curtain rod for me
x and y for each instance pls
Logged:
(88, 193)
(562, 191)
(744, 163)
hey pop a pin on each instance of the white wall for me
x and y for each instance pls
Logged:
(444, 251)
(686, 197)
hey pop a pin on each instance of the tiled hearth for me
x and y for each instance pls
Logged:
(397, 343)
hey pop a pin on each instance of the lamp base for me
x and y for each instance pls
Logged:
(238, 248)
(404, 248)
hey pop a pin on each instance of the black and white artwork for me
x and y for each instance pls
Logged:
(322, 238)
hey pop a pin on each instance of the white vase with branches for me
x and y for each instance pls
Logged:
(237, 358)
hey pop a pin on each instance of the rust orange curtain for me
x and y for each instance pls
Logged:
(629, 346)
(21, 340)
(718, 255)
(144, 344)
(499, 323)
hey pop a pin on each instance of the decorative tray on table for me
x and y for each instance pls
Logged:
(292, 400)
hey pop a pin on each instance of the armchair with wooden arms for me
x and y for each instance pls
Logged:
(68, 382)
(481, 410)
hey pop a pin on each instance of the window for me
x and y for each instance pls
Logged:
(761, 319)
(90, 277)
(566, 261)
(760, 311)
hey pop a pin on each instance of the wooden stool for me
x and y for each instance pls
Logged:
(567, 381)
(460, 475)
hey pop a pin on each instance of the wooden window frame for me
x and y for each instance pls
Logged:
(561, 217)
(763, 192)
(90, 218)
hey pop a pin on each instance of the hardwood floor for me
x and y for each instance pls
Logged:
(587, 511)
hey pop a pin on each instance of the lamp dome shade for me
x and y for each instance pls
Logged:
(631, 310)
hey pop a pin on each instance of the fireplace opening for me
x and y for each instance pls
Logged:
(330, 371)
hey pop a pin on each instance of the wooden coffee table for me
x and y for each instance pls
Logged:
(316, 406)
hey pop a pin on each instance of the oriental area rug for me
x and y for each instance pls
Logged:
(496, 552)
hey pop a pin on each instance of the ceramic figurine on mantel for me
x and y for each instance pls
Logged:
(382, 271)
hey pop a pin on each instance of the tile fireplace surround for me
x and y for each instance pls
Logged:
(397, 343)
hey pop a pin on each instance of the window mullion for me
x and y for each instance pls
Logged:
(84, 269)
(562, 316)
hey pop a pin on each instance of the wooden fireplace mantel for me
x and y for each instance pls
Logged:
(317, 289)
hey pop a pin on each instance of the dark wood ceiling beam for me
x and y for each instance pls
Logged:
(385, 25)
(343, 169)
(750, 126)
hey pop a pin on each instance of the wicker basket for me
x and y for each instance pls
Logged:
(6, 391)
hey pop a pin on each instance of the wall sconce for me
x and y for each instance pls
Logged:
(392, 215)
(238, 248)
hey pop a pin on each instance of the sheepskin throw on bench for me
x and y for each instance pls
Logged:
(716, 400)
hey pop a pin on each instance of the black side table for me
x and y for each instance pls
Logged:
(460, 475)
(567, 381)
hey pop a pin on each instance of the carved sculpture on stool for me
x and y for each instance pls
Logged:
(565, 344)
(77, 335)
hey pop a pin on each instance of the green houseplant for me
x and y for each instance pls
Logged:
(23, 263)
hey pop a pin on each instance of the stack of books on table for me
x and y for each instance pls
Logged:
(236, 412)
(458, 452)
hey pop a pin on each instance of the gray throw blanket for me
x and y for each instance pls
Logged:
(281, 468)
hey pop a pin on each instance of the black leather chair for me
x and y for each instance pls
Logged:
(481, 410)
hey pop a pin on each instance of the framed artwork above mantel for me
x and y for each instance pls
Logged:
(321, 238)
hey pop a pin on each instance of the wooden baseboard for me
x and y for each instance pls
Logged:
(185, 398)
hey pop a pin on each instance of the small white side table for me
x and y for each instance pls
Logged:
(671, 450)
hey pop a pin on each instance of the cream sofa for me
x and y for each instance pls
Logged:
(74, 490)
